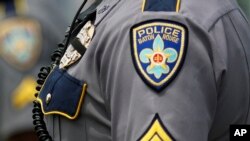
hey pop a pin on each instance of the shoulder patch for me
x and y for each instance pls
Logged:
(156, 131)
(158, 51)
(20, 42)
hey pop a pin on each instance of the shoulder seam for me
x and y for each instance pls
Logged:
(229, 7)
(215, 20)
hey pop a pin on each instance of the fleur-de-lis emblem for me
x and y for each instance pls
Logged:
(158, 51)
(158, 57)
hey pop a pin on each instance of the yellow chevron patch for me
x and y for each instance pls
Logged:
(156, 131)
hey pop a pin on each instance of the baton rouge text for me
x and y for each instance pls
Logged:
(167, 33)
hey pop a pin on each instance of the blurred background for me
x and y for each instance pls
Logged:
(29, 32)
(245, 5)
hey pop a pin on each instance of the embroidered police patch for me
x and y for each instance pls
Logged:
(158, 50)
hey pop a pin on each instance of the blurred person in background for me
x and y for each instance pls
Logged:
(29, 31)
(245, 5)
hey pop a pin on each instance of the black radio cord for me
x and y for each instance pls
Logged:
(38, 116)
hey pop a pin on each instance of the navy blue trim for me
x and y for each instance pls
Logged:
(160, 88)
(156, 117)
(160, 5)
(65, 93)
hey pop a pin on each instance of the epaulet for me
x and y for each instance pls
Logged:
(161, 5)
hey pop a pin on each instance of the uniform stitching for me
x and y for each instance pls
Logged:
(59, 128)
(245, 58)
(216, 21)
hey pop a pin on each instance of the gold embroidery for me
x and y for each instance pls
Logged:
(156, 132)
(65, 114)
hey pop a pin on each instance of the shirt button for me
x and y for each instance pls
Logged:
(48, 98)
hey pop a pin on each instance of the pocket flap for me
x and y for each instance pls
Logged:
(62, 94)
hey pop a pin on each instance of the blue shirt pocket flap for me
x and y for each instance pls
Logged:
(62, 94)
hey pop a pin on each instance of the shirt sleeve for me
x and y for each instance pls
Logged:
(184, 108)
(230, 35)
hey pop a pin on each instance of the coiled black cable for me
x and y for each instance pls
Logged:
(40, 127)
(38, 117)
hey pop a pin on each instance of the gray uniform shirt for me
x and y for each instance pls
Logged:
(210, 92)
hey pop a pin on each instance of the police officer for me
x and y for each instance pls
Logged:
(150, 70)
(28, 34)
